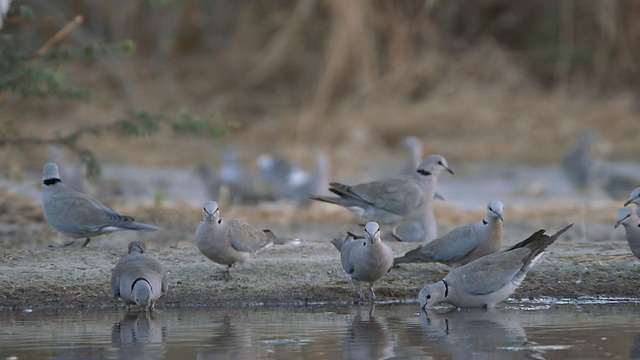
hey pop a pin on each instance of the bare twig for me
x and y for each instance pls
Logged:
(60, 35)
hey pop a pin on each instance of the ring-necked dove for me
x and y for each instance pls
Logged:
(283, 179)
(228, 241)
(634, 198)
(235, 179)
(390, 200)
(139, 279)
(631, 222)
(490, 279)
(579, 164)
(365, 259)
(413, 148)
(463, 244)
(77, 215)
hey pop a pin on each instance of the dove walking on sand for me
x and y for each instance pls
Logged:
(629, 219)
(139, 279)
(463, 244)
(391, 200)
(228, 241)
(490, 279)
(365, 259)
(77, 215)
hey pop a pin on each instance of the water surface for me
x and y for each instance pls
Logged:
(350, 332)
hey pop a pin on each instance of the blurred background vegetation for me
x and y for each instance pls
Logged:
(474, 79)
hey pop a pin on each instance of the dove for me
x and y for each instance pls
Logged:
(490, 279)
(463, 244)
(286, 180)
(77, 215)
(631, 222)
(634, 198)
(365, 259)
(236, 179)
(139, 279)
(413, 148)
(390, 200)
(228, 241)
(578, 163)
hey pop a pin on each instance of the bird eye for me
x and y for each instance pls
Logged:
(428, 296)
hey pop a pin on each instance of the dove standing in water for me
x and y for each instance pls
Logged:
(631, 222)
(464, 244)
(77, 215)
(489, 279)
(365, 259)
(228, 241)
(139, 279)
(391, 200)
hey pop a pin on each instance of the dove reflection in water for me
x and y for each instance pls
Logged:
(139, 335)
(367, 337)
(478, 334)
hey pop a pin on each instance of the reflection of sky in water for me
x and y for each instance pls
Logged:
(587, 328)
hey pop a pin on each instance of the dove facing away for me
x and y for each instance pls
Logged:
(631, 222)
(490, 279)
(228, 241)
(390, 200)
(463, 244)
(365, 259)
(77, 215)
(139, 279)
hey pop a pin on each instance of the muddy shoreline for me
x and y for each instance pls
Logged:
(52, 278)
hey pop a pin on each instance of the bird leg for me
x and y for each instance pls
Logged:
(86, 241)
(358, 290)
(371, 293)
(69, 242)
(226, 274)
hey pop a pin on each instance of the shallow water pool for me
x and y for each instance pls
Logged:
(516, 330)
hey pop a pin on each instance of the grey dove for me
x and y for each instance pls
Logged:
(463, 244)
(391, 200)
(228, 241)
(77, 215)
(634, 198)
(629, 219)
(413, 148)
(233, 177)
(139, 279)
(578, 163)
(365, 259)
(283, 179)
(490, 279)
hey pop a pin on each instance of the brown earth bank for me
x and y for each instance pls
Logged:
(42, 275)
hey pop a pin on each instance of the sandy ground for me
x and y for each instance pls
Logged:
(590, 260)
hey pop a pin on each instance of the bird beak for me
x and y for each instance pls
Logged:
(629, 201)
(449, 170)
(620, 222)
(499, 216)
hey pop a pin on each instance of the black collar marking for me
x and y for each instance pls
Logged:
(484, 222)
(51, 181)
(446, 288)
(140, 279)
(423, 172)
